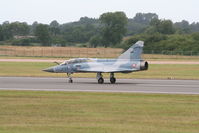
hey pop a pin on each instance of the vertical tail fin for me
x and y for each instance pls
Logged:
(134, 52)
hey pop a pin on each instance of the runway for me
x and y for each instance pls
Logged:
(91, 85)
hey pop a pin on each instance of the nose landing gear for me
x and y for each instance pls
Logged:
(70, 80)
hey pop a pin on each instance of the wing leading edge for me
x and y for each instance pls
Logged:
(106, 70)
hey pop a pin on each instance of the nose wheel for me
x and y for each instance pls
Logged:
(70, 80)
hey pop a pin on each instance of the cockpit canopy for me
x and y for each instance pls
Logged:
(74, 61)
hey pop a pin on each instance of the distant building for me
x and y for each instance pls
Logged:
(23, 37)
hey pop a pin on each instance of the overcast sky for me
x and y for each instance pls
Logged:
(44, 11)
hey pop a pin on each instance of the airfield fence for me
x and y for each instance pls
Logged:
(166, 52)
(75, 52)
(69, 52)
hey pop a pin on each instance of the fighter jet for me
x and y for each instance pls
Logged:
(129, 61)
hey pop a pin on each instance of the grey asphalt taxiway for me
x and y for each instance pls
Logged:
(91, 85)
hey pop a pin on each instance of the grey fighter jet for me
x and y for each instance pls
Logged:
(129, 61)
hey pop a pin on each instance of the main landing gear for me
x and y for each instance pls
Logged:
(112, 78)
(101, 80)
(70, 80)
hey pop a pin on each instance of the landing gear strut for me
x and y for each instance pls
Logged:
(100, 78)
(70, 80)
(112, 78)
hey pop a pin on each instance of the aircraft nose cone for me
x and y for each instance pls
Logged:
(50, 69)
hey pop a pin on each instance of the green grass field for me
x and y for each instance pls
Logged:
(162, 71)
(73, 112)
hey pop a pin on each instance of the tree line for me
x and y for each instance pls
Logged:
(112, 29)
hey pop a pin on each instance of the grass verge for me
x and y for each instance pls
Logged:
(73, 112)
(160, 71)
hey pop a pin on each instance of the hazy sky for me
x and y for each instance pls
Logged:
(63, 11)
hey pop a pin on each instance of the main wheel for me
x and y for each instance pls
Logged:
(100, 81)
(113, 80)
